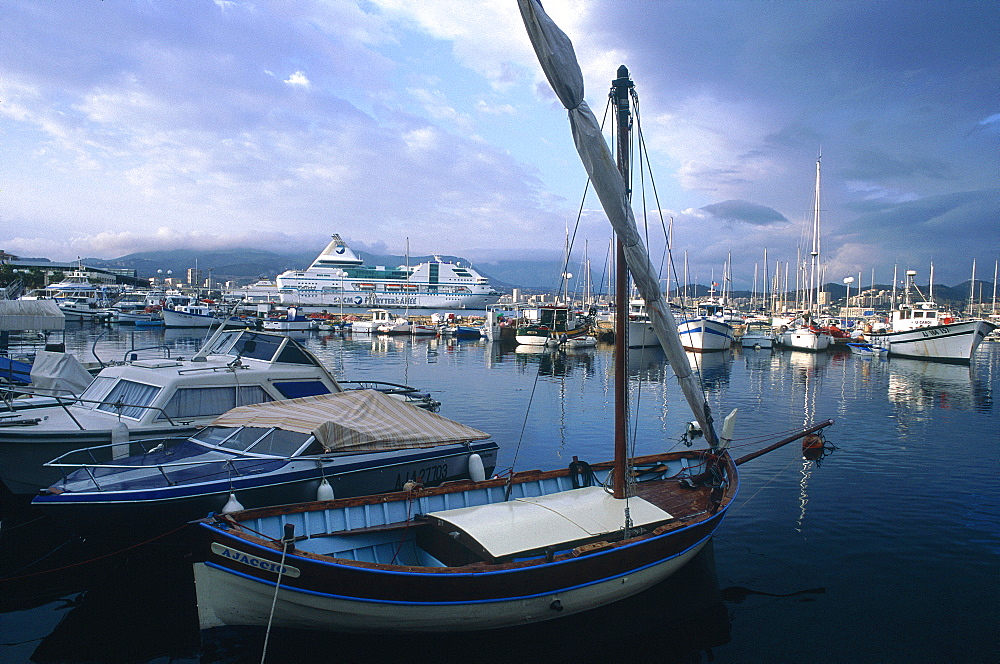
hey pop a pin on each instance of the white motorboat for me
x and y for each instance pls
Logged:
(758, 334)
(290, 322)
(168, 396)
(805, 337)
(197, 315)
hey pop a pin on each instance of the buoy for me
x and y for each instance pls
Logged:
(324, 491)
(813, 447)
(232, 505)
(476, 470)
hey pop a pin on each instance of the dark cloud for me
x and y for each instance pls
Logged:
(745, 212)
(874, 165)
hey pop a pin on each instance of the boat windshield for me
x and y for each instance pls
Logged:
(129, 399)
(257, 440)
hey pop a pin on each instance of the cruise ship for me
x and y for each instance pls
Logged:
(339, 278)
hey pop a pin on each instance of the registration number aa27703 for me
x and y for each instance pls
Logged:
(426, 475)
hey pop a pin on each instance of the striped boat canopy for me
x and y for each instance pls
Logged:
(354, 420)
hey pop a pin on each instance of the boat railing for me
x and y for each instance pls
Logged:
(393, 389)
(93, 467)
(132, 354)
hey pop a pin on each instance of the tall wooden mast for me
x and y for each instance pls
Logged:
(621, 89)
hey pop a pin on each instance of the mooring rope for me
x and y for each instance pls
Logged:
(274, 600)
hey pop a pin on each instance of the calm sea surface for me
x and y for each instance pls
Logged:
(886, 550)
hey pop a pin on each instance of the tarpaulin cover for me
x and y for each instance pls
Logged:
(354, 420)
(16, 315)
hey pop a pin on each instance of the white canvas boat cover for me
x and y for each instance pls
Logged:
(58, 374)
(553, 520)
(354, 420)
(16, 315)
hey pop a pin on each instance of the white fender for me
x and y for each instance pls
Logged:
(728, 425)
(324, 491)
(476, 469)
(119, 440)
(232, 505)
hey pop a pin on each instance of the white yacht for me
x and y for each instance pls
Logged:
(339, 277)
(77, 297)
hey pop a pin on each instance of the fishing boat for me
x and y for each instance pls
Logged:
(350, 443)
(379, 317)
(549, 325)
(804, 333)
(162, 396)
(920, 329)
(709, 330)
(339, 277)
(529, 547)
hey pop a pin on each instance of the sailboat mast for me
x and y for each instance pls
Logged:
(621, 88)
(814, 275)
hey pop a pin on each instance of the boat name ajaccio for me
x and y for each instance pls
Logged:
(254, 561)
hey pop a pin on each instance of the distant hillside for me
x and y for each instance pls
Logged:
(248, 265)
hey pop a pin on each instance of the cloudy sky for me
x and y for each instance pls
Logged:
(132, 125)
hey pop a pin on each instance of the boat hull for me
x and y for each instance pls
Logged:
(757, 341)
(641, 334)
(173, 318)
(369, 565)
(584, 584)
(704, 335)
(952, 342)
(154, 509)
(805, 339)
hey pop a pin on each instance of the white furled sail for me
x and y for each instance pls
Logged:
(558, 60)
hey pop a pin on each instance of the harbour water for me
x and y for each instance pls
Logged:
(885, 550)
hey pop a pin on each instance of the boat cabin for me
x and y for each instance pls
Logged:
(267, 367)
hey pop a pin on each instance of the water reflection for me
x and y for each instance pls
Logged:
(712, 368)
(140, 606)
(924, 385)
(551, 362)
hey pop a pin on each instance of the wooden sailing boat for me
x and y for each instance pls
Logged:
(500, 552)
